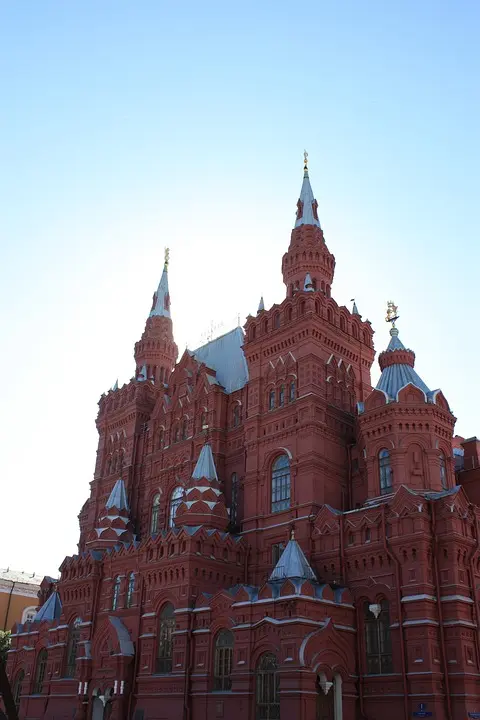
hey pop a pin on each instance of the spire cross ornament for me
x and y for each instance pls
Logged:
(392, 315)
(305, 162)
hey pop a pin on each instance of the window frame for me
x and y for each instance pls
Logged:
(155, 514)
(267, 688)
(130, 589)
(116, 592)
(40, 671)
(443, 472)
(280, 484)
(385, 473)
(378, 640)
(166, 628)
(71, 650)
(17, 688)
(223, 661)
(176, 497)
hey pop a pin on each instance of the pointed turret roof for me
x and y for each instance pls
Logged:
(292, 564)
(355, 308)
(161, 299)
(203, 502)
(397, 365)
(118, 497)
(205, 467)
(261, 305)
(307, 205)
(50, 610)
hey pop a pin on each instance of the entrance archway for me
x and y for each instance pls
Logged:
(97, 709)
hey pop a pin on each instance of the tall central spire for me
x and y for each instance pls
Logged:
(161, 299)
(308, 265)
(156, 352)
(307, 205)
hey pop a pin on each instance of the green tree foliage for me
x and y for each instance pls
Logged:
(4, 644)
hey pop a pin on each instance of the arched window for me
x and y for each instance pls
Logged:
(292, 391)
(184, 429)
(268, 688)
(281, 484)
(236, 415)
(203, 420)
(281, 396)
(271, 399)
(175, 434)
(385, 471)
(160, 438)
(234, 507)
(290, 314)
(354, 331)
(222, 679)
(343, 325)
(175, 501)
(276, 321)
(130, 589)
(155, 518)
(378, 642)
(72, 646)
(443, 472)
(116, 593)
(330, 315)
(17, 688)
(166, 629)
(302, 307)
(40, 672)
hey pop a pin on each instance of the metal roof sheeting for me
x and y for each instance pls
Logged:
(225, 356)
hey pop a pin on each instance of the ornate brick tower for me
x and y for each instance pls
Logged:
(405, 424)
(156, 352)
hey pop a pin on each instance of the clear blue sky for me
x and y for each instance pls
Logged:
(128, 126)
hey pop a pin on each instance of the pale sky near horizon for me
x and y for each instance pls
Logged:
(129, 126)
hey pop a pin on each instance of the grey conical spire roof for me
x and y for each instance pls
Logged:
(205, 467)
(293, 564)
(161, 299)
(118, 497)
(261, 305)
(51, 610)
(308, 199)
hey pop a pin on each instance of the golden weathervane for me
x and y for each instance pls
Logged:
(392, 314)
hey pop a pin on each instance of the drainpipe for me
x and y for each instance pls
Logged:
(8, 605)
(440, 615)
(137, 649)
(472, 576)
(400, 611)
(188, 670)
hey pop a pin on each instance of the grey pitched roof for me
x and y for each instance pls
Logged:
(51, 610)
(161, 300)
(205, 467)
(118, 497)
(225, 356)
(292, 564)
(307, 198)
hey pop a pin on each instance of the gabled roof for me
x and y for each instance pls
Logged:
(51, 610)
(225, 356)
(292, 564)
(118, 497)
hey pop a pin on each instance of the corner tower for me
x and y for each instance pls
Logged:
(156, 352)
(308, 264)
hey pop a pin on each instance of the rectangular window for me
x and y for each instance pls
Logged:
(277, 551)
(281, 493)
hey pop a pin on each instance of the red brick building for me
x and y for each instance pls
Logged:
(267, 536)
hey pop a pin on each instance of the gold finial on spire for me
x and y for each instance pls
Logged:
(167, 257)
(305, 163)
(392, 315)
(292, 534)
